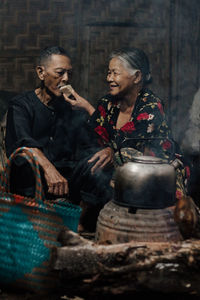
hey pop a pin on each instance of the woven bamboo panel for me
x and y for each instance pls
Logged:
(26, 27)
(142, 12)
(101, 40)
(17, 73)
(32, 24)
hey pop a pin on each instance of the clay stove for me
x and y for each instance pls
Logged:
(143, 205)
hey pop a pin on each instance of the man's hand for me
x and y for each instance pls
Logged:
(104, 159)
(56, 183)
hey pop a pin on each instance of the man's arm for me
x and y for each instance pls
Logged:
(19, 134)
(56, 183)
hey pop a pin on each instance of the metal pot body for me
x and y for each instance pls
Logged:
(146, 182)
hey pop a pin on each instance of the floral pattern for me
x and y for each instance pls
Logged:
(147, 130)
(128, 127)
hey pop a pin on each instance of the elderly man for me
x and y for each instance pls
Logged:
(42, 120)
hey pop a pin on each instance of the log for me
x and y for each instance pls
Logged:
(89, 269)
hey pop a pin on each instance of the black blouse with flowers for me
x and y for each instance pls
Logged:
(147, 127)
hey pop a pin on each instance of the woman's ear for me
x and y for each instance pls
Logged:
(137, 77)
(40, 72)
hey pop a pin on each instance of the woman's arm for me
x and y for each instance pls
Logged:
(79, 102)
(103, 158)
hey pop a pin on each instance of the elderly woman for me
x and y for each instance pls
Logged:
(130, 117)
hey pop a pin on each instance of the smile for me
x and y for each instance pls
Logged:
(113, 85)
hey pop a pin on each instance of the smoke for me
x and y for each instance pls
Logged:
(191, 140)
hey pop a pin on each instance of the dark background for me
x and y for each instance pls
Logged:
(167, 30)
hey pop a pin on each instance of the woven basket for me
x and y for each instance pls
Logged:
(28, 230)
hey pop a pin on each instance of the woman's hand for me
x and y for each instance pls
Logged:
(56, 183)
(104, 159)
(79, 102)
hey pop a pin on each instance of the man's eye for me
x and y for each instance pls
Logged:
(69, 73)
(61, 73)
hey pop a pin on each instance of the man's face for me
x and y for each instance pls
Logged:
(56, 72)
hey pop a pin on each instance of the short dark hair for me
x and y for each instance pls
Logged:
(135, 59)
(47, 52)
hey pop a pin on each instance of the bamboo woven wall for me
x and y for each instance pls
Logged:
(168, 31)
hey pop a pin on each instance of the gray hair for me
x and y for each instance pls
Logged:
(134, 59)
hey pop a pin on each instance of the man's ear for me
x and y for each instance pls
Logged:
(137, 77)
(40, 72)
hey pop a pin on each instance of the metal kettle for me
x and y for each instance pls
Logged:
(146, 182)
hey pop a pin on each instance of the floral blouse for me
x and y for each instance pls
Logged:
(147, 128)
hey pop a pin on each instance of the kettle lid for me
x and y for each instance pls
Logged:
(148, 159)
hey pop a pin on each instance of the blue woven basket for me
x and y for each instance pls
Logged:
(28, 230)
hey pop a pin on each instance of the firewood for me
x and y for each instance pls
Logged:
(126, 268)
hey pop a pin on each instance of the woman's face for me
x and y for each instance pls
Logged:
(119, 79)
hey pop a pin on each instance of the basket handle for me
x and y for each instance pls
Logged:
(31, 159)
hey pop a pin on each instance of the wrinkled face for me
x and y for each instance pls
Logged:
(56, 72)
(119, 79)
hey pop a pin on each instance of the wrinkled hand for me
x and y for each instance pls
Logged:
(104, 159)
(56, 183)
(79, 103)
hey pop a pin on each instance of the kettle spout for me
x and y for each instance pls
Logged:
(176, 163)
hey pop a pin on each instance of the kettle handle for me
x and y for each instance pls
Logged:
(145, 139)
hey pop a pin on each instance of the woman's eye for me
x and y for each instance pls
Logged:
(113, 72)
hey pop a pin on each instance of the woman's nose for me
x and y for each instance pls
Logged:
(109, 77)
